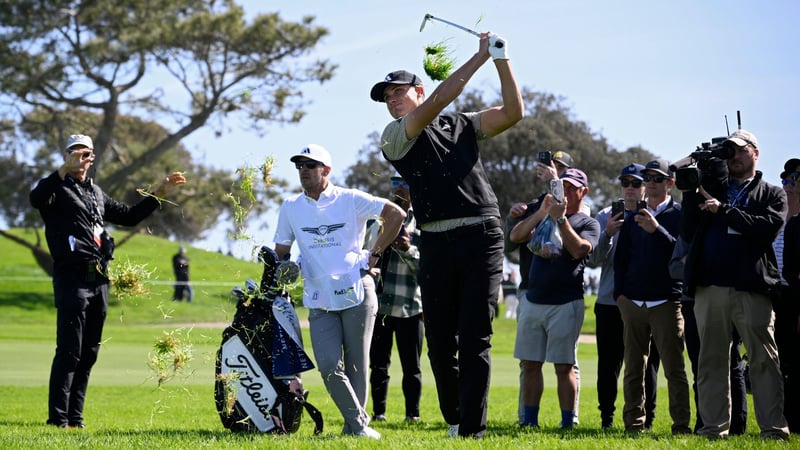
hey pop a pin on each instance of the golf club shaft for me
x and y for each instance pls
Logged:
(455, 25)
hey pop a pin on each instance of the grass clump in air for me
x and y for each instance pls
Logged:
(438, 61)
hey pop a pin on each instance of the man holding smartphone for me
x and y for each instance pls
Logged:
(649, 300)
(609, 333)
(551, 314)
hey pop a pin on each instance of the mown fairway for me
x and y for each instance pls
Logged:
(126, 408)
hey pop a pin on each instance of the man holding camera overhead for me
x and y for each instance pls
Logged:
(551, 314)
(732, 272)
(75, 211)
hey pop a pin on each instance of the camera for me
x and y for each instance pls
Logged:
(704, 165)
(641, 204)
(545, 158)
(618, 206)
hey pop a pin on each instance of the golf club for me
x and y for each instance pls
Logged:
(432, 17)
(472, 32)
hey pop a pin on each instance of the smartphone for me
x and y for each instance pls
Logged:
(641, 204)
(545, 158)
(617, 207)
(557, 189)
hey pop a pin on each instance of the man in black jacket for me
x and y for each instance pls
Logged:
(75, 211)
(732, 272)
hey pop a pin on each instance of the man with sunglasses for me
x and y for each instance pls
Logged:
(329, 225)
(461, 250)
(75, 212)
(399, 312)
(609, 333)
(787, 304)
(732, 272)
(649, 300)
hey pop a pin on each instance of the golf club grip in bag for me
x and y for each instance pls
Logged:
(261, 353)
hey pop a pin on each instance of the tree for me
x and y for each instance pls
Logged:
(184, 64)
(510, 158)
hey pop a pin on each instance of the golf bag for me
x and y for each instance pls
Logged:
(257, 387)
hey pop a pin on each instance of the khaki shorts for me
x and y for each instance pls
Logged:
(548, 333)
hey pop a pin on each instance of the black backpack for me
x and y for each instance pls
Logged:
(261, 353)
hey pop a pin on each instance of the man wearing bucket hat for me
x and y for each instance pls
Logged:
(461, 250)
(328, 223)
(75, 212)
(732, 272)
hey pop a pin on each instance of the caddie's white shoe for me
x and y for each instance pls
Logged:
(369, 432)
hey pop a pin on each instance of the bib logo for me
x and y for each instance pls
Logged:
(323, 230)
(256, 395)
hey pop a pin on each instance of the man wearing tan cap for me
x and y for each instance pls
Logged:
(731, 270)
(75, 212)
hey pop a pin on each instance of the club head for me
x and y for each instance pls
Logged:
(424, 21)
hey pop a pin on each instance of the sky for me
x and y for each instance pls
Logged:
(661, 75)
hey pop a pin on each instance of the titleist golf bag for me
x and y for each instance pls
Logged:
(261, 356)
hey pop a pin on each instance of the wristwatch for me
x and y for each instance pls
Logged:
(561, 220)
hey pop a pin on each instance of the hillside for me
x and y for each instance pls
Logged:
(26, 292)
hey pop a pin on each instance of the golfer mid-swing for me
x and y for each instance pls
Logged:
(461, 251)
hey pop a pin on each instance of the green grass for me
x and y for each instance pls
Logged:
(125, 407)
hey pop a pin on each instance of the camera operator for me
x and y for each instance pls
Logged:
(732, 272)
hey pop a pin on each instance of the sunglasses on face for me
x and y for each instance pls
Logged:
(86, 152)
(307, 164)
(628, 183)
(654, 178)
(791, 178)
(399, 184)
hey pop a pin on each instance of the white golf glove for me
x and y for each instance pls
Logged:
(497, 47)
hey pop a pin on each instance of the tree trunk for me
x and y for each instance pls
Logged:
(41, 255)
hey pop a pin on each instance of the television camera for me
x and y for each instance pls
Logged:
(706, 164)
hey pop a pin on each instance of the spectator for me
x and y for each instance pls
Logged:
(509, 288)
(328, 223)
(731, 271)
(75, 212)
(608, 321)
(692, 340)
(787, 307)
(461, 249)
(559, 163)
(649, 300)
(180, 267)
(551, 316)
(399, 312)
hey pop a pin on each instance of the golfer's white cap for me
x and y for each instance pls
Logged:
(79, 139)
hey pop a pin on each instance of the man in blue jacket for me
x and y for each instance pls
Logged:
(649, 300)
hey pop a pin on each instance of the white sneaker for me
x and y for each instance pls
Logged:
(369, 432)
(452, 432)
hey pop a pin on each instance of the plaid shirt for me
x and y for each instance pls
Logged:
(397, 288)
